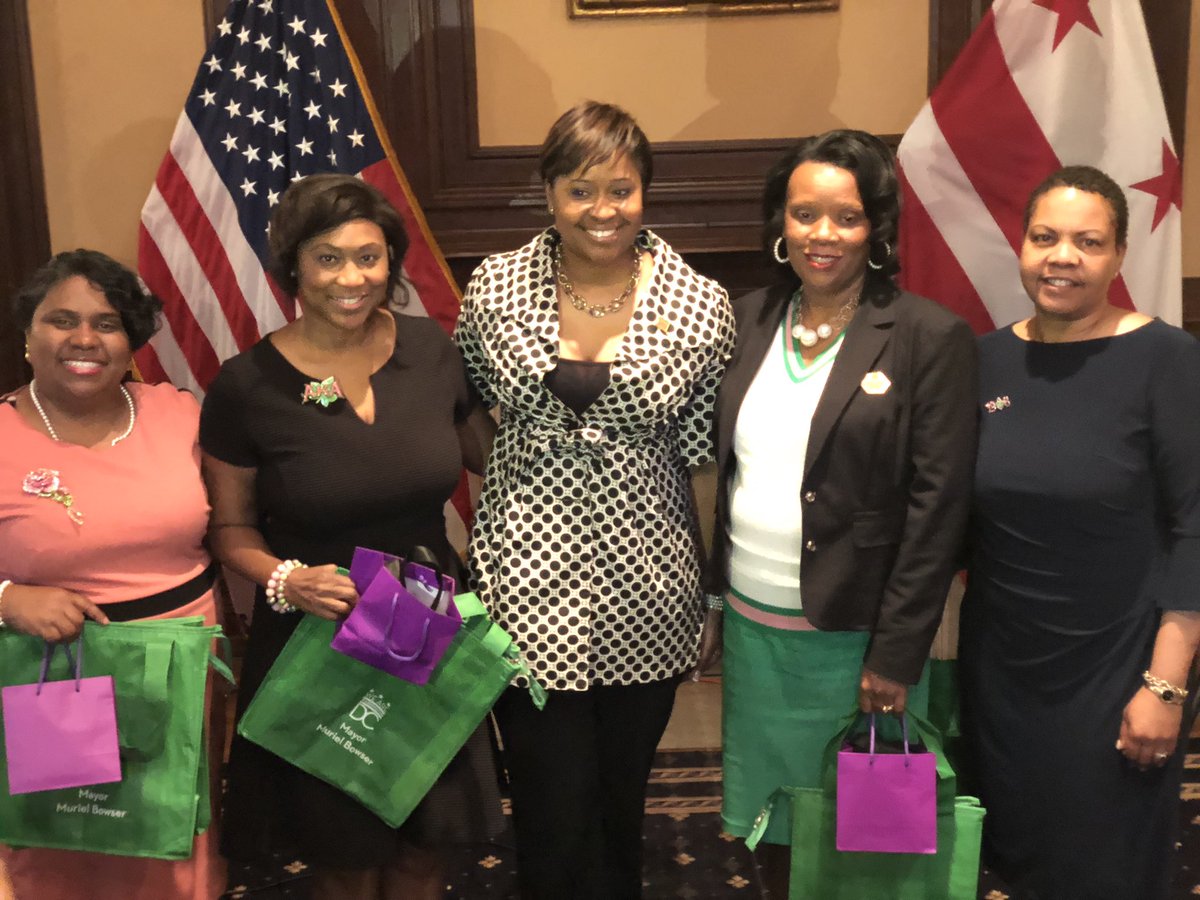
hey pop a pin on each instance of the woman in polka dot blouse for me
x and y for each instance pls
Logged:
(845, 444)
(603, 350)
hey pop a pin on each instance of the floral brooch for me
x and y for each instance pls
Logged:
(1000, 403)
(322, 393)
(47, 483)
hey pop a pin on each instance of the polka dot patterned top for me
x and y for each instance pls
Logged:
(586, 545)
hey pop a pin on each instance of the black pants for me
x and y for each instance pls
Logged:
(578, 772)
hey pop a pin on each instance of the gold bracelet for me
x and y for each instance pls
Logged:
(1164, 690)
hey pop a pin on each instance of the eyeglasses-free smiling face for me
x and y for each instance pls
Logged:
(1070, 255)
(826, 229)
(343, 274)
(598, 211)
(77, 343)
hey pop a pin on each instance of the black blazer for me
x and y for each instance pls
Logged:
(887, 476)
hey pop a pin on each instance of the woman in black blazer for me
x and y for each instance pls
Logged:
(845, 431)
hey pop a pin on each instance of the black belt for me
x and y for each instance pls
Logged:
(163, 601)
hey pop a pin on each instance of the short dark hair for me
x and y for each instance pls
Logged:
(873, 166)
(320, 203)
(590, 133)
(140, 310)
(1091, 180)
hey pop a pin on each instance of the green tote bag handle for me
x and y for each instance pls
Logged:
(142, 698)
(500, 642)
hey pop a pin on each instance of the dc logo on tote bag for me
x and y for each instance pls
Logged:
(370, 709)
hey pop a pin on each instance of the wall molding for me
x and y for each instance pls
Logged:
(706, 194)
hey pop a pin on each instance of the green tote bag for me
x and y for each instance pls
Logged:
(380, 739)
(819, 871)
(159, 670)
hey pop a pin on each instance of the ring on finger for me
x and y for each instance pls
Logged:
(887, 709)
(1161, 757)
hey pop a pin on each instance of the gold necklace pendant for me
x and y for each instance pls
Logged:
(596, 311)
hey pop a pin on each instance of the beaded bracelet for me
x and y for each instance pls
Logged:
(714, 602)
(4, 586)
(277, 585)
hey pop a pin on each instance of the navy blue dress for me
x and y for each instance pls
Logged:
(1086, 526)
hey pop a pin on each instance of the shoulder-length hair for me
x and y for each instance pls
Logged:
(871, 163)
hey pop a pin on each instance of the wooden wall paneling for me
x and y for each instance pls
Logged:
(950, 24)
(213, 11)
(705, 196)
(1191, 305)
(419, 58)
(1169, 28)
(479, 199)
(23, 218)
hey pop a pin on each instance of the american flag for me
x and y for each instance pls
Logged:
(1040, 84)
(279, 95)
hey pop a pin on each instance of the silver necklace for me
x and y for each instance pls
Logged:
(596, 311)
(54, 434)
(808, 337)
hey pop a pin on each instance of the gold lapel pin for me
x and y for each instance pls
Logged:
(662, 325)
(876, 383)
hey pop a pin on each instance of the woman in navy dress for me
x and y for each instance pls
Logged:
(1080, 622)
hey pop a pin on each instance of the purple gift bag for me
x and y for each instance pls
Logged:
(61, 734)
(390, 628)
(887, 802)
(367, 563)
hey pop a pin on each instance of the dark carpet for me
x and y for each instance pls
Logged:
(687, 855)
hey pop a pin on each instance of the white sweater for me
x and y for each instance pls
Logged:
(769, 443)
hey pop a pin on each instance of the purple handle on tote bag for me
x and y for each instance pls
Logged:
(61, 734)
(887, 802)
(392, 633)
(389, 628)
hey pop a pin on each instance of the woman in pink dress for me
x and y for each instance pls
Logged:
(120, 536)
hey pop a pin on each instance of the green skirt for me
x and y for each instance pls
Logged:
(784, 692)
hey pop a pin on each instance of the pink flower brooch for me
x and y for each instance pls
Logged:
(1000, 403)
(47, 483)
(322, 393)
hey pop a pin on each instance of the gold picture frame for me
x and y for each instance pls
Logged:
(582, 9)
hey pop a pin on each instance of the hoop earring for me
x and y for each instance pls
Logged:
(781, 259)
(887, 254)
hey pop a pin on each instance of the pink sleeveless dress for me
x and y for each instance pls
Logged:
(144, 517)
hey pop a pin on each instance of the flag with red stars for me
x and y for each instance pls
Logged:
(1041, 84)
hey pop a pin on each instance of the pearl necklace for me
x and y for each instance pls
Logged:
(594, 310)
(54, 434)
(808, 337)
